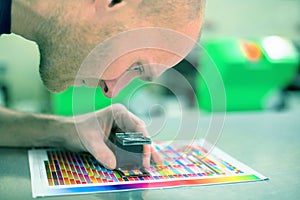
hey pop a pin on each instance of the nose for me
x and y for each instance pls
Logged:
(111, 88)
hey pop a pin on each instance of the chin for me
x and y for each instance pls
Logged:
(57, 87)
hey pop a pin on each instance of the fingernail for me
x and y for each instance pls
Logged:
(111, 164)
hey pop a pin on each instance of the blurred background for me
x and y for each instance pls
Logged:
(247, 59)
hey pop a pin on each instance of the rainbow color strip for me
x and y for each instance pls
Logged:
(153, 185)
(70, 173)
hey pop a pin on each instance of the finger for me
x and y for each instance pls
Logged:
(147, 147)
(147, 155)
(125, 120)
(149, 151)
(155, 156)
(104, 155)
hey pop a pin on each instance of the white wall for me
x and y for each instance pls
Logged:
(252, 18)
(19, 64)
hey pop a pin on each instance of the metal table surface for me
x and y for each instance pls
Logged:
(268, 142)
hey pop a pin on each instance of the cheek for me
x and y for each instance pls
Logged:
(164, 58)
(156, 59)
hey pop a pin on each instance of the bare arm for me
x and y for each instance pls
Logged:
(87, 132)
(19, 129)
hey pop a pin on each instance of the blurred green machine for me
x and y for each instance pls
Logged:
(237, 74)
(80, 100)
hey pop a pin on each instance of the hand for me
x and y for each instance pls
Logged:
(94, 129)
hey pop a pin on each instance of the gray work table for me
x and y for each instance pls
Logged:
(268, 142)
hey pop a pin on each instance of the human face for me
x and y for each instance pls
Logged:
(94, 22)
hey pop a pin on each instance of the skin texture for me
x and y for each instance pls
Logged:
(66, 31)
(87, 132)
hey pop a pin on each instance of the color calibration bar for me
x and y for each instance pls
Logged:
(67, 168)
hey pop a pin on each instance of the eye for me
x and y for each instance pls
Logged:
(114, 2)
(137, 67)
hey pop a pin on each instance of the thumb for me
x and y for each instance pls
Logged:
(104, 155)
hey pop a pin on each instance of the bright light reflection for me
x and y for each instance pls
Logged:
(277, 47)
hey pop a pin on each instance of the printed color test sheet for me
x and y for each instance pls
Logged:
(56, 172)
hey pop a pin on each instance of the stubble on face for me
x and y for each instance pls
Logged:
(64, 43)
(67, 35)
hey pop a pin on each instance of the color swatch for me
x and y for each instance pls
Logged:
(56, 172)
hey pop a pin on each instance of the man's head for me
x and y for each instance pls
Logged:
(72, 29)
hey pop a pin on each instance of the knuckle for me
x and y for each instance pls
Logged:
(141, 123)
(118, 108)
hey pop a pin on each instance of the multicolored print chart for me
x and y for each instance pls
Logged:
(56, 172)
